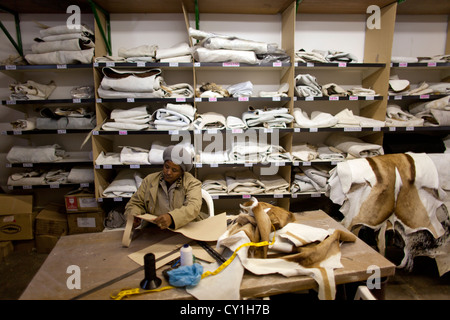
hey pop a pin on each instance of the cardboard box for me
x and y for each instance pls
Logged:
(45, 243)
(85, 222)
(52, 221)
(16, 217)
(6, 248)
(81, 201)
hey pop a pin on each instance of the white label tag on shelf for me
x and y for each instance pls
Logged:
(17, 132)
(277, 64)
(246, 196)
(174, 132)
(309, 98)
(214, 165)
(243, 99)
(173, 64)
(278, 196)
(123, 133)
(342, 64)
(61, 131)
(10, 102)
(276, 98)
(84, 185)
(130, 100)
(107, 166)
(118, 199)
(352, 129)
(198, 165)
(310, 64)
(370, 98)
(248, 164)
(237, 130)
(54, 186)
(27, 165)
(76, 100)
(98, 100)
(230, 64)
(110, 64)
(313, 129)
(352, 98)
(10, 67)
(212, 131)
(296, 129)
(403, 64)
(398, 97)
(212, 99)
(409, 128)
(135, 166)
(424, 96)
(333, 98)
(180, 99)
(140, 64)
(61, 66)
(376, 128)
(431, 64)
(197, 64)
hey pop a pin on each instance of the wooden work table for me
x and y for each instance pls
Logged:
(101, 258)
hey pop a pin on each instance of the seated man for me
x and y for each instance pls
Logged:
(173, 194)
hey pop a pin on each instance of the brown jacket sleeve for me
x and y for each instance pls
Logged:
(192, 201)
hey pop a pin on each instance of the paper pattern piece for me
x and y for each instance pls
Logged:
(204, 230)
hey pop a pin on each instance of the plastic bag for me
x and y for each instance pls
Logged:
(186, 275)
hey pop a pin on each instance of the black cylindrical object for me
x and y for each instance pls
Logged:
(151, 281)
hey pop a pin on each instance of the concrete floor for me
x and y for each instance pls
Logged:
(422, 283)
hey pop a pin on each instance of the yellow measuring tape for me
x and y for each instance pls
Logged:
(129, 292)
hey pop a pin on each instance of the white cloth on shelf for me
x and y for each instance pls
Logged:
(235, 123)
(306, 85)
(274, 183)
(177, 50)
(241, 89)
(269, 118)
(27, 178)
(30, 154)
(125, 184)
(281, 92)
(61, 45)
(318, 119)
(134, 155)
(354, 146)
(243, 182)
(131, 80)
(304, 152)
(205, 55)
(61, 57)
(218, 156)
(80, 174)
(396, 117)
(210, 120)
(31, 90)
(329, 153)
(215, 183)
(109, 158)
(155, 155)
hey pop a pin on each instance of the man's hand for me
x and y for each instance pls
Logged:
(163, 221)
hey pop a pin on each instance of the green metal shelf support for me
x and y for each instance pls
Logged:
(17, 45)
(106, 37)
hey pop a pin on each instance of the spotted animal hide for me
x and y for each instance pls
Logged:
(399, 189)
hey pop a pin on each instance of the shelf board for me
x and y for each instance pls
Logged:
(34, 132)
(52, 186)
(338, 98)
(338, 65)
(41, 67)
(420, 7)
(143, 100)
(417, 97)
(48, 101)
(420, 65)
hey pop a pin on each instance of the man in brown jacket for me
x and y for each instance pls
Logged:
(174, 195)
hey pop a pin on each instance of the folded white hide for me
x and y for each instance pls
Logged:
(61, 57)
(215, 183)
(124, 80)
(80, 174)
(304, 152)
(108, 158)
(32, 90)
(210, 120)
(243, 182)
(180, 49)
(274, 184)
(242, 89)
(205, 55)
(64, 29)
(235, 123)
(396, 117)
(354, 146)
(62, 45)
(26, 154)
(318, 119)
(134, 155)
(124, 184)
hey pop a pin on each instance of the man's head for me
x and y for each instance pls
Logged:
(177, 160)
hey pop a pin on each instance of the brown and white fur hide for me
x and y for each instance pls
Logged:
(256, 220)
